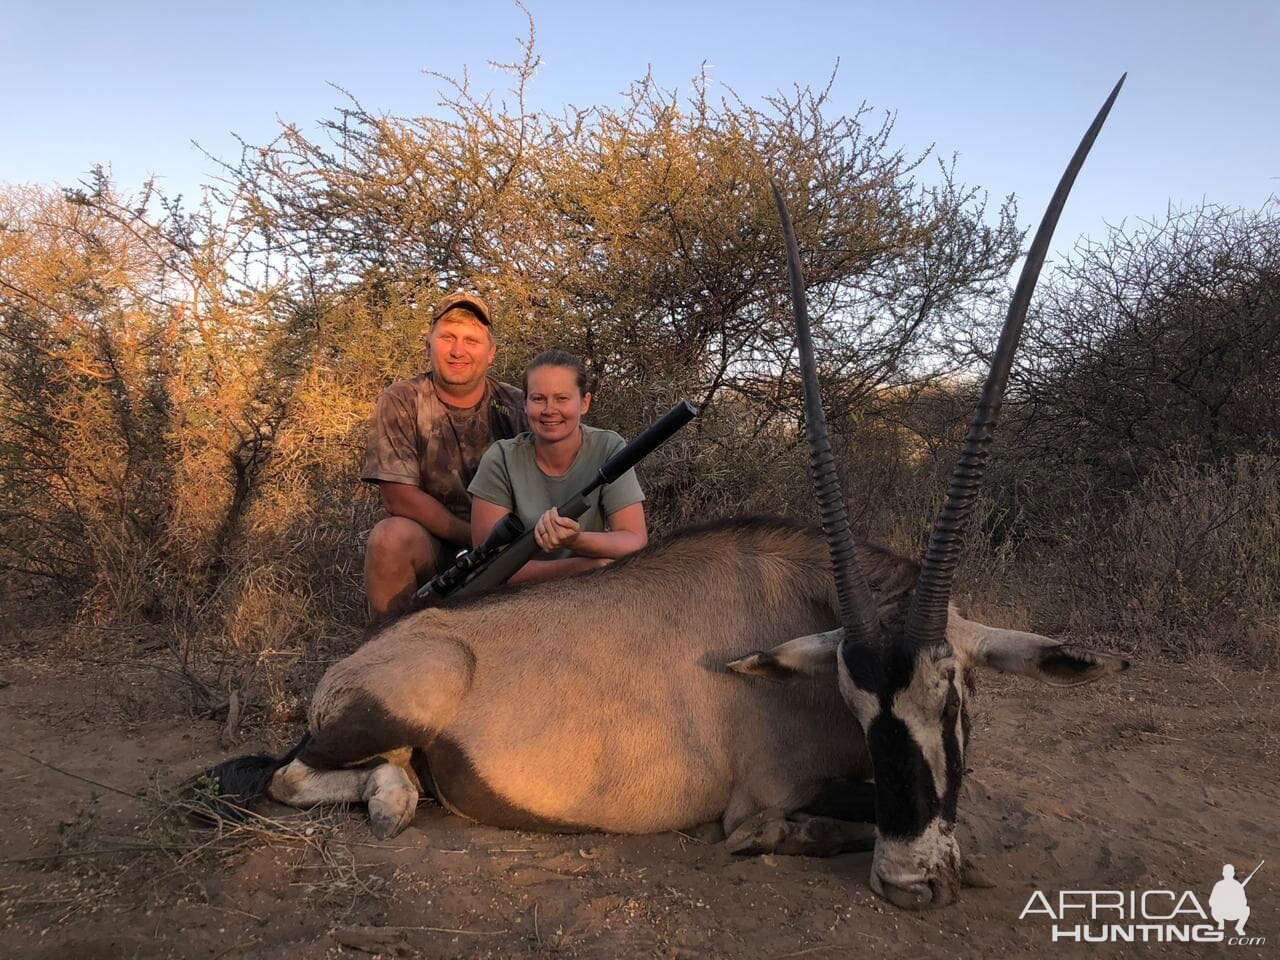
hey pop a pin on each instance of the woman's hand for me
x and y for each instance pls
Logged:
(554, 532)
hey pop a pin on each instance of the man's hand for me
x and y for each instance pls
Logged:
(554, 532)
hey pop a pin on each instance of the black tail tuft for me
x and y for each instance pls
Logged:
(233, 788)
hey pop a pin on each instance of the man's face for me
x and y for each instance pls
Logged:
(461, 349)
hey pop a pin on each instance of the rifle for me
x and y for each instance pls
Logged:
(510, 546)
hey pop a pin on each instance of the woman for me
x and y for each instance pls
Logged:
(533, 472)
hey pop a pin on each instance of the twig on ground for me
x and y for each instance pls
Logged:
(688, 837)
(228, 735)
(806, 952)
(234, 947)
(73, 776)
(99, 852)
(243, 913)
(392, 930)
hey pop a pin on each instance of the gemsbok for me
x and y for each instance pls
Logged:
(785, 683)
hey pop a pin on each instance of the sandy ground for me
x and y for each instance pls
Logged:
(1152, 779)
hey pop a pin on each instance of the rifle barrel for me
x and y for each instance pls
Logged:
(1250, 876)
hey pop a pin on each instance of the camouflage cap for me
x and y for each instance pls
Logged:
(467, 301)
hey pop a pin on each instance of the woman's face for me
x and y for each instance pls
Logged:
(553, 402)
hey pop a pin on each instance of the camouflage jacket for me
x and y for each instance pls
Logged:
(416, 438)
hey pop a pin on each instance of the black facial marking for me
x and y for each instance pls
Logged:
(906, 799)
(1059, 663)
(953, 720)
(459, 786)
(881, 672)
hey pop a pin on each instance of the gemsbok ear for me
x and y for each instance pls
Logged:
(1029, 654)
(808, 656)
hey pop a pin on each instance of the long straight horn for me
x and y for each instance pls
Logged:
(857, 609)
(927, 620)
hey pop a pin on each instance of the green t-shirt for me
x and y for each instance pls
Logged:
(509, 476)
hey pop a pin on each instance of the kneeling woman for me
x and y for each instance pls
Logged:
(533, 472)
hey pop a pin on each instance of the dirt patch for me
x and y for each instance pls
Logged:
(1152, 780)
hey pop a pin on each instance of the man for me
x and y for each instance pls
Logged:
(425, 441)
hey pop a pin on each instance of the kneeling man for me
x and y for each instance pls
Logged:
(425, 441)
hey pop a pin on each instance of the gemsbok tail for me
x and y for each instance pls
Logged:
(233, 788)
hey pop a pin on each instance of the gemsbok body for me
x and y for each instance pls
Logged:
(778, 680)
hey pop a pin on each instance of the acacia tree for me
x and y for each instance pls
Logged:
(1155, 346)
(84, 357)
(641, 235)
(143, 383)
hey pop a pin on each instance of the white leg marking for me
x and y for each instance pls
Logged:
(299, 785)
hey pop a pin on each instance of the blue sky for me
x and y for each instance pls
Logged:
(1008, 87)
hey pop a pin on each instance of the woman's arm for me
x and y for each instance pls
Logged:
(485, 516)
(626, 534)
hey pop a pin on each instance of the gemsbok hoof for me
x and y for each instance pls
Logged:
(392, 800)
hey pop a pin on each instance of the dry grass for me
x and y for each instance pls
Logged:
(181, 842)
(1188, 567)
